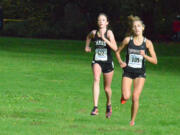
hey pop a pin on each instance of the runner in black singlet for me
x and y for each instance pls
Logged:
(102, 55)
(134, 66)
(102, 61)
(135, 62)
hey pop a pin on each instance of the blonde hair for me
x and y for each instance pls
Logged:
(131, 20)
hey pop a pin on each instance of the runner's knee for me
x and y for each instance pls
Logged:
(96, 79)
(107, 89)
(135, 97)
(126, 96)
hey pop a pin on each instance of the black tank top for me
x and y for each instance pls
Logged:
(102, 50)
(135, 62)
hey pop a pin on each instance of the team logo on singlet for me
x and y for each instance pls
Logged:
(100, 42)
(134, 51)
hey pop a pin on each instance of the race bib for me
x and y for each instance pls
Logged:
(135, 60)
(101, 54)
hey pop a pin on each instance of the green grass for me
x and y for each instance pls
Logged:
(45, 89)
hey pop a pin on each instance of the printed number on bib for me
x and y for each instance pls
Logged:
(101, 54)
(135, 61)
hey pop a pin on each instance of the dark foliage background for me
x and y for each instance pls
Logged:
(73, 19)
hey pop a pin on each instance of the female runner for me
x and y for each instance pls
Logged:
(102, 61)
(134, 66)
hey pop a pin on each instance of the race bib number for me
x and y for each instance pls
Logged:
(101, 54)
(135, 61)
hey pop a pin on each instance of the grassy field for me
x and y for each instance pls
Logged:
(45, 89)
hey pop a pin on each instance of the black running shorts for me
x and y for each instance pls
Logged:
(134, 75)
(105, 66)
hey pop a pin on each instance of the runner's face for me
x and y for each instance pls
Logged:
(137, 28)
(102, 21)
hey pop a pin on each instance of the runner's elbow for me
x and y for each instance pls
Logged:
(115, 49)
(155, 62)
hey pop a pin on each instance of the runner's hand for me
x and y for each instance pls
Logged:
(123, 65)
(87, 49)
(142, 52)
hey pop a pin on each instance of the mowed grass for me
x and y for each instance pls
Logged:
(46, 89)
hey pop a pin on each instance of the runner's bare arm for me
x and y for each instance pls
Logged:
(88, 40)
(111, 42)
(118, 52)
(152, 58)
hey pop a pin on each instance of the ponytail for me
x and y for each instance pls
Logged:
(131, 20)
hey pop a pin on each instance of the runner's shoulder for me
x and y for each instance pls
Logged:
(126, 40)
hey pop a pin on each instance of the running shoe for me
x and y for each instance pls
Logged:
(132, 123)
(108, 111)
(94, 111)
(123, 101)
